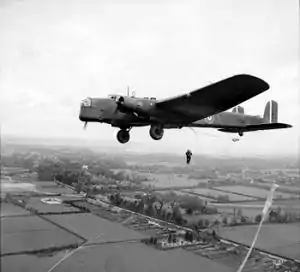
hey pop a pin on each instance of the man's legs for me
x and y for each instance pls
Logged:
(188, 159)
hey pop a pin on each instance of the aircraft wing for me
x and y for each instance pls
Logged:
(256, 127)
(214, 98)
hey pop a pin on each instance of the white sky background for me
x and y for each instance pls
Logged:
(55, 53)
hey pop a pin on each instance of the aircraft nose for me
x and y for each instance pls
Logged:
(84, 105)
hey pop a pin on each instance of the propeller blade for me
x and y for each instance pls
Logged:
(84, 126)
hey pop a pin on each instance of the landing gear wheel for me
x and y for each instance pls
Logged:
(123, 136)
(156, 132)
(241, 133)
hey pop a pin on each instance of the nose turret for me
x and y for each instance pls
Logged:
(85, 109)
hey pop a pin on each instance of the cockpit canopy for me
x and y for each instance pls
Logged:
(115, 97)
(87, 102)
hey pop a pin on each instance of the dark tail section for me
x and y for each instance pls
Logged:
(271, 112)
(238, 109)
(270, 121)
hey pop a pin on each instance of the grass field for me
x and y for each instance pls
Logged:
(252, 191)
(11, 186)
(32, 233)
(12, 170)
(169, 181)
(126, 257)
(254, 208)
(137, 257)
(214, 193)
(90, 226)
(249, 212)
(37, 204)
(8, 209)
(187, 194)
(51, 187)
(292, 188)
(287, 205)
(281, 239)
(29, 263)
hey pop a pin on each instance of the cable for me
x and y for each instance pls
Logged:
(84, 245)
(268, 204)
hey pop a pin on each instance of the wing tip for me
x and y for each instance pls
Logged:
(262, 84)
(287, 125)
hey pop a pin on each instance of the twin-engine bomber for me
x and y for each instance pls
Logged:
(206, 107)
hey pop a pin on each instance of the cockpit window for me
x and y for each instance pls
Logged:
(114, 97)
(87, 102)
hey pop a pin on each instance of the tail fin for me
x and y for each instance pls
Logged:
(271, 112)
(238, 109)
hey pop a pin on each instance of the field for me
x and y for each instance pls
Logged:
(170, 180)
(37, 204)
(255, 192)
(276, 238)
(185, 193)
(93, 227)
(129, 257)
(292, 188)
(16, 186)
(254, 208)
(214, 193)
(52, 187)
(29, 263)
(249, 212)
(12, 170)
(32, 233)
(287, 205)
(8, 209)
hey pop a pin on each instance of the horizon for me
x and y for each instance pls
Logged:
(114, 148)
(56, 53)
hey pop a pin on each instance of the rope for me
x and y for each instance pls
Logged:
(268, 204)
(84, 245)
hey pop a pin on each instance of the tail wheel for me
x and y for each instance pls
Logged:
(241, 133)
(123, 136)
(156, 132)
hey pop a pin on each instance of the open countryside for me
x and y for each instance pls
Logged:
(255, 192)
(112, 201)
(218, 194)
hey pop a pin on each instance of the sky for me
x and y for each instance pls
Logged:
(54, 53)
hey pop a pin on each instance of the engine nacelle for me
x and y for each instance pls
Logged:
(137, 105)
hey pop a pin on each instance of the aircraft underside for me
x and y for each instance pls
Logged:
(156, 132)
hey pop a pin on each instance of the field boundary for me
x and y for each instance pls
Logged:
(46, 251)
(241, 194)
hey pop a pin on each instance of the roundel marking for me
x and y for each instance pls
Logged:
(209, 119)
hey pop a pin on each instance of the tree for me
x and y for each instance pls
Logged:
(192, 203)
(78, 188)
(257, 218)
(243, 219)
(177, 216)
(206, 222)
(45, 170)
(239, 213)
(149, 210)
(225, 220)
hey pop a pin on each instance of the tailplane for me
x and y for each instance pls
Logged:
(271, 112)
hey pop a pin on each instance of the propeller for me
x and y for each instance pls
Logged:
(85, 124)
